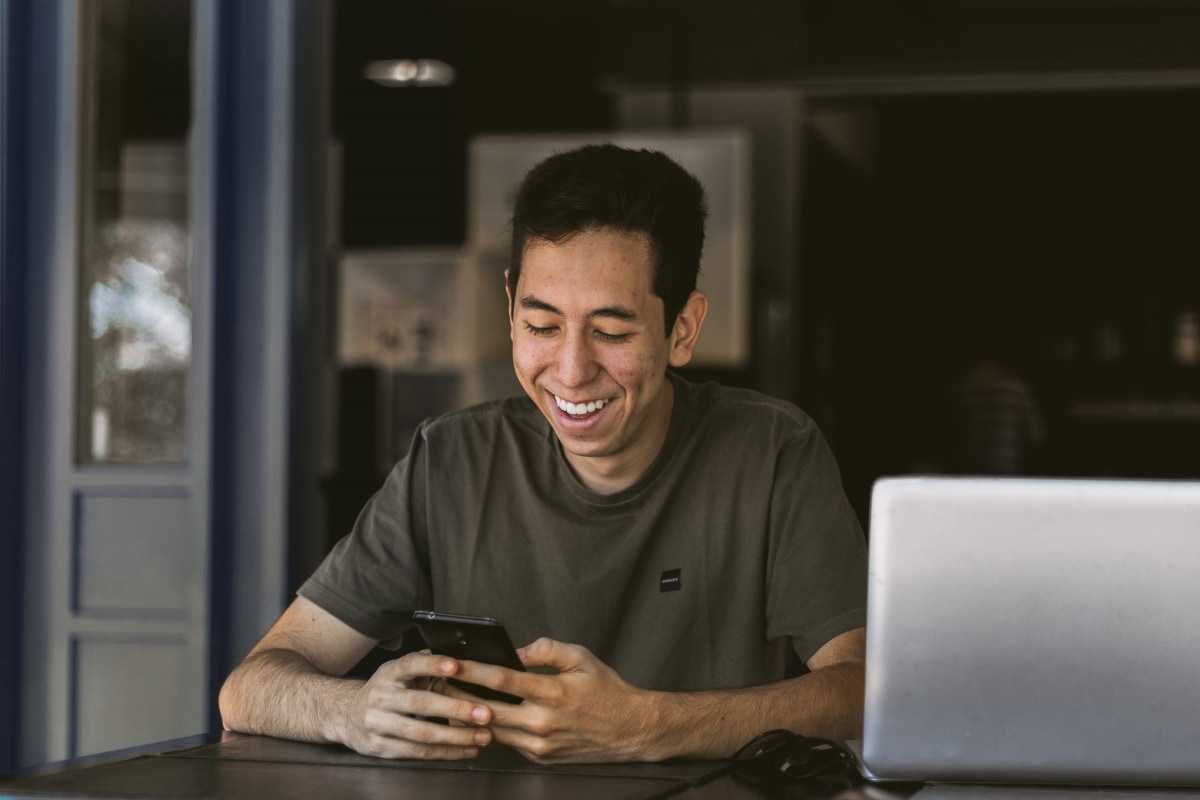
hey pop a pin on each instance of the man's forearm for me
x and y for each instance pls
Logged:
(826, 703)
(278, 692)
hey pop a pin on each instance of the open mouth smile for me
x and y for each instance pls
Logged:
(579, 410)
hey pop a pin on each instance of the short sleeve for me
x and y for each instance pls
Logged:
(377, 575)
(817, 570)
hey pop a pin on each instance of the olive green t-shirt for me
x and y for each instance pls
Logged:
(738, 537)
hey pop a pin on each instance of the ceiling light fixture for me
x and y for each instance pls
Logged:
(410, 72)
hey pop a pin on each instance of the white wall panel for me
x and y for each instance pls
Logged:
(133, 555)
(132, 690)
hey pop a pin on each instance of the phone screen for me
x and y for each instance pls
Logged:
(470, 639)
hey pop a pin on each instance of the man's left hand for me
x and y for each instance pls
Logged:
(584, 713)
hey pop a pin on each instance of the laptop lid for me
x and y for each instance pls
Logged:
(1034, 631)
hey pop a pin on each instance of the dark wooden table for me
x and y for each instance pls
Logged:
(234, 765)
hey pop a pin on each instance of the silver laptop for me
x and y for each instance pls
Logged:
(1034, 631)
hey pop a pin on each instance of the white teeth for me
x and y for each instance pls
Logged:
(578, 409)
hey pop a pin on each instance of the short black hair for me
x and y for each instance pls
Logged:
(603, 186)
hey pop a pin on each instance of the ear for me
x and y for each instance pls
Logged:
(508, 294)
(687, 329)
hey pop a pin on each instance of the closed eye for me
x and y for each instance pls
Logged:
(613, 338)
(536, 331)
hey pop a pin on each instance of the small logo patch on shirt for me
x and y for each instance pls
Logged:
(670, 581)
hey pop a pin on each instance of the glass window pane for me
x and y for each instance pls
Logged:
(136, 332)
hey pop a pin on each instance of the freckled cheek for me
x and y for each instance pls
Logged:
(628, 371)
(530, 357)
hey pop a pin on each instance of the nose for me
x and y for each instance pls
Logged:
(575, 364)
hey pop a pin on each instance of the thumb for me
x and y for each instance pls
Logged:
(546, 652)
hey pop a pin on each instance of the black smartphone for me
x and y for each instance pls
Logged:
(471, 639)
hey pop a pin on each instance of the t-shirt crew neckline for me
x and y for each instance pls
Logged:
(680, 412)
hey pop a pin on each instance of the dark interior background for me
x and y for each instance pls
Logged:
(1055, 223)
(1038, 226)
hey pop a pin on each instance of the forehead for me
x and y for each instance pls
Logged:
(597, 261)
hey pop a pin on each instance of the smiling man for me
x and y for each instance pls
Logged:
(655, 544)
(588, 347)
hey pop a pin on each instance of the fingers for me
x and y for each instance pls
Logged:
(416, 666)
(583, 712)
(415, 685)
(398, 718)
(544, 652)
(522, 685)
(393, 698)
(389, 735)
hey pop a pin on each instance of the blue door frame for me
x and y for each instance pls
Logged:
(260, 161)
(13, 60)
(269, 271)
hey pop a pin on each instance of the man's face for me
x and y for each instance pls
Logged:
(589, 348)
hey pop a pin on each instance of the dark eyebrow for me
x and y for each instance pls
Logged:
(622, 313)
(533, 304)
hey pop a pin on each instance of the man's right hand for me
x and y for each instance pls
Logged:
(398, 713)
(291, 686)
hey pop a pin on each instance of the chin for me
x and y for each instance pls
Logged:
(583, 448)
